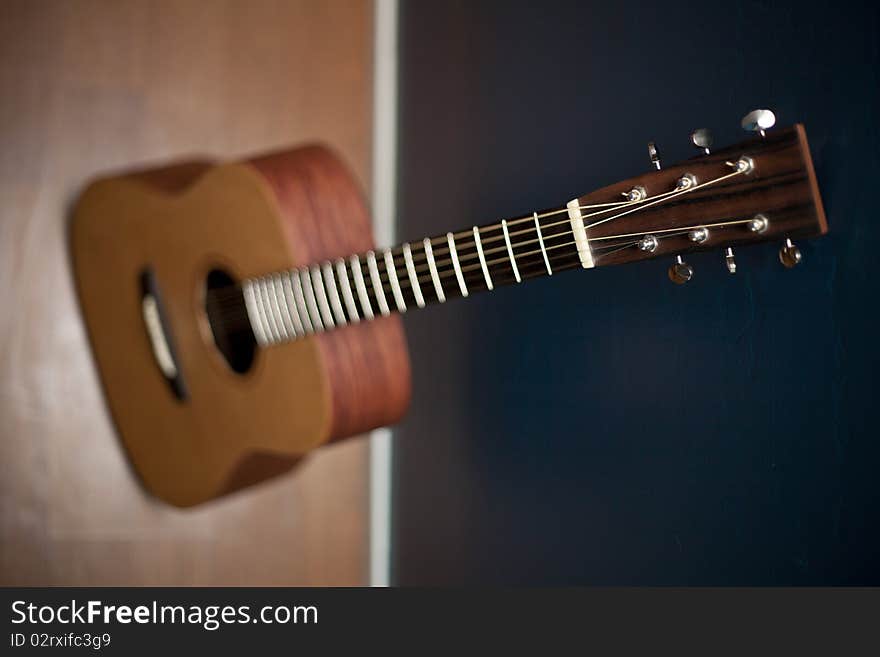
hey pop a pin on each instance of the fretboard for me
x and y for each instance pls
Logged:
(292, 304)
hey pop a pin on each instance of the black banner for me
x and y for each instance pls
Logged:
(150, 620)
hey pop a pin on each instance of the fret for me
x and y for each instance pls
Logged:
(300, 299)
(454, 255)
(311, 299)
(432, 266)
(378, 288)
(395, 284)
(413, 277)
(541, 243)
(321, 297)
(254, 313)
(483, 266)
(286, 319)
(467, 255)
(271, 311)
(282, 317)
(558, 242)
(291, 304)
(333, 293)
(258, 301)
(350, 306)
(361, 287)
(510, 250)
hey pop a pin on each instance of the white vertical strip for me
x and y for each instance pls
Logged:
(286, 317)
(311, 301)
(378, 286)
(361, 287)
(268, 311)
(321, 296)
(451, 241)
(348, 297)
(510, 250)
(395, 284)
(384, 214)
(413, 277)
(254, 314)
(333, 292)
(432, 266)
(300, 300)
(541, 242)
(276, 307)
(291, 304)
(479, 244)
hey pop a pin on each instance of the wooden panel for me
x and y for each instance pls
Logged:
(91, 86)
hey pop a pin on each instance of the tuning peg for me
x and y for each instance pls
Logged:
(730, 261)
(758, 223)
(637, 193)
(680, 272)
(702, 139)
(758, 121)
(699, 235)
(654, 155)
(789, 255)
(648, 243)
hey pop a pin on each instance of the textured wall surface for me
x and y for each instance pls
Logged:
(606, 426)
(86, 87)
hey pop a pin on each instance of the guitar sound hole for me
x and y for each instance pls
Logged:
(227, 315)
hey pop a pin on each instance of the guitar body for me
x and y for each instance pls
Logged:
(227, 415)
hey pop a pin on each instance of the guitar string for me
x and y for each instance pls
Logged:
(608, 207)
(447, 274)
(650, 201)
(638, 205)
(613, 248)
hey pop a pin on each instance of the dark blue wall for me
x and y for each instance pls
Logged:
(608, 427)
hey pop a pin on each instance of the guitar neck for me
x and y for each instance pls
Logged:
(755, 191)
(291, 304)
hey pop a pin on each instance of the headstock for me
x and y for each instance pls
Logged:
(760, 190)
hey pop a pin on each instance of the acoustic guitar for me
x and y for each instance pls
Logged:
(240, 315)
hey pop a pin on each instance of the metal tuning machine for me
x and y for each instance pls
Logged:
(679, 271)
(789, 255)
(702, 139)
(759, 121)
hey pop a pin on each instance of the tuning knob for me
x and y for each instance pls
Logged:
(702, 139)
(789, 255)
(758, 121)
(680, 272)
(648, 243)
(730, 261)
(699, 235)
(654, 155)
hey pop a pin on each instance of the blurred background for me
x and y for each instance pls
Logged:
(89, 86)
(609, 427)
(601, 427)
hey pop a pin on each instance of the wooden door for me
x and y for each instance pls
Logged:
(89, 86)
